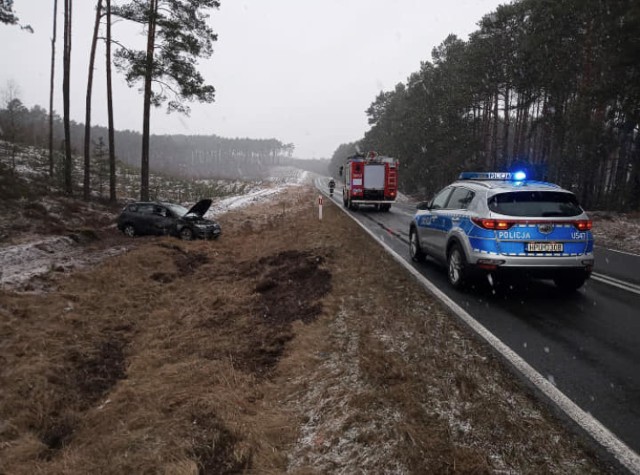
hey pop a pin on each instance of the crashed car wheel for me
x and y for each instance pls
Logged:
(186, 234)
(129, 230)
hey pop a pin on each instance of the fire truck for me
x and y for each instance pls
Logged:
(370, 179)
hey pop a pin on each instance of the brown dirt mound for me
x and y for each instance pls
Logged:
(290, 286)
(213, 447)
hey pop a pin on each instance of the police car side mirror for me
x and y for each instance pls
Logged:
(424, 205)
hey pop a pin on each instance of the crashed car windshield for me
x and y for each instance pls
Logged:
(177, 210)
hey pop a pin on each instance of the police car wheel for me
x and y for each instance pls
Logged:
(456, 267)
(415, 250)
(570, 281)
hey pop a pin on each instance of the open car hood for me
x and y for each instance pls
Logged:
(200, 208)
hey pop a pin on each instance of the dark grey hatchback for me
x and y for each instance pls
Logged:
(161, 218)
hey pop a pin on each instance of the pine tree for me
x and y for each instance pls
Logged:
(111, 132)
(66, 94)
(52, 83)
(8, 16)
(87, 123)
(177, 36)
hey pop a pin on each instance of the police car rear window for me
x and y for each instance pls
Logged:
(535, 204)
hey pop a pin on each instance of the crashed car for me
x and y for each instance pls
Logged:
(161, 218)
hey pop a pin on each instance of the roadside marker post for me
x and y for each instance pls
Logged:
(320, 207)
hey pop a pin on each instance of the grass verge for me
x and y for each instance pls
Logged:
(288, 345)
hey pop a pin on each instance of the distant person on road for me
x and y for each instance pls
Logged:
(332, 185)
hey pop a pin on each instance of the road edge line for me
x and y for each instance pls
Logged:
(620, 252)
(621, 284)
(595, 429)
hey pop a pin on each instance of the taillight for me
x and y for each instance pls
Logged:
(494, 224)
(583, 225)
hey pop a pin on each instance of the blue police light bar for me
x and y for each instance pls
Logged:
(505, 176)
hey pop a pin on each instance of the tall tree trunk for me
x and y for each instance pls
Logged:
(68, 162)
(87, 121)
(524, 124)
(51, 84)
(538, 130)
(112, 141)
(522, 109)
(494, 137)
(505, 138)
(632, 198)
(486, 132)
(625, 158)
(144, 166)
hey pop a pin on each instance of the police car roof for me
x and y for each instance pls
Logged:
(506, 181)
(511, 185)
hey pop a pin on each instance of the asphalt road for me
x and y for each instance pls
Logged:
(587, 344)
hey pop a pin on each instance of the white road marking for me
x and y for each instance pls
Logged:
(620, 252)
(603, 436)
(621, 284)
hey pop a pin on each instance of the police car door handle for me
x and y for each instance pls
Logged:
(455, 219)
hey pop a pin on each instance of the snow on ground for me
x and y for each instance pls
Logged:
(323, 442)
(234, 202)
(22, 264)
(620, 231)
(294, 177)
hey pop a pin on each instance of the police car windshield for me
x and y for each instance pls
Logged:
(535, 204)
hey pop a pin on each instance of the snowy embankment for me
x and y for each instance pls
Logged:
(292, 177)
(21, 264)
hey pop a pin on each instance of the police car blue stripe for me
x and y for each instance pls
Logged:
(508, 243)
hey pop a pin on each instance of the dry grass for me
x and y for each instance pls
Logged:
(288, 345)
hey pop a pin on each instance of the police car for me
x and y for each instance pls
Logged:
(500, 223)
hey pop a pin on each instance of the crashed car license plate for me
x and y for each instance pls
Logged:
(544, 247)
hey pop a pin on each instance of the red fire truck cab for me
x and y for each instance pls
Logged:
(370, 180)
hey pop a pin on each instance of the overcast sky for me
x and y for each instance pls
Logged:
(300, 71)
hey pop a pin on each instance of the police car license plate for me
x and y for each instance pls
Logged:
(544, 247)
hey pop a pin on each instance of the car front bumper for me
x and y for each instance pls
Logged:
(209, 232)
